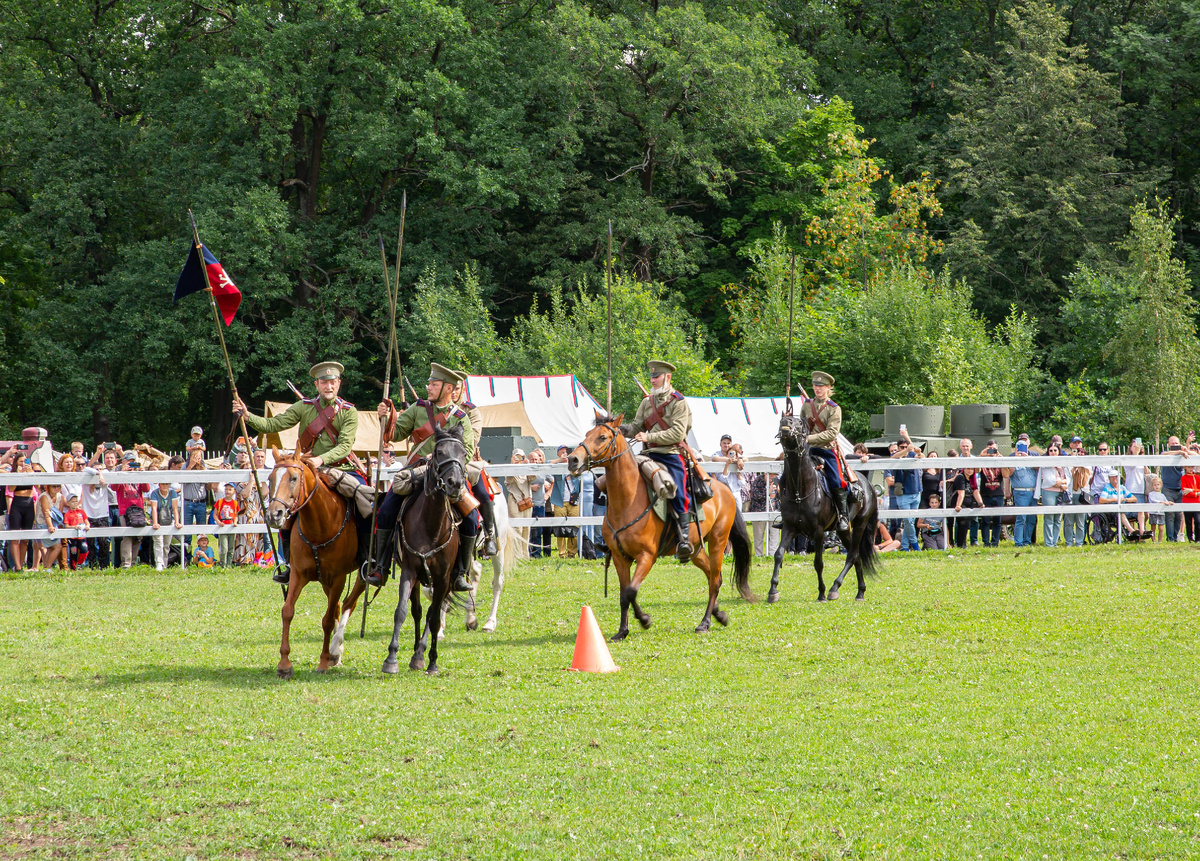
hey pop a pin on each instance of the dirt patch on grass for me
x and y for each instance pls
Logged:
(399, 843)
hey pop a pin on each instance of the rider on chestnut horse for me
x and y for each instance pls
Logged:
(330, 426)
(661, 424)
(418, 422)
(823, 419)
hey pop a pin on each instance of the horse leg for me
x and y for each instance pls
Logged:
(421, 635)
(627, 595)
(786, 535)
(284, 670)
(337, 644)
(641, 569)
(710, 563)
(851, 546)
(497, 587)
(434, 621)
(819, 567)
(329, 622)
(475, 574)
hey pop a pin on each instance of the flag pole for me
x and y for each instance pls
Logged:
(241, 418)
(393, 295)
(608, 291)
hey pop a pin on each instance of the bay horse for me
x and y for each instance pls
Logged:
(427, 531)
(323, 547)
(634, 534)
(807, 510)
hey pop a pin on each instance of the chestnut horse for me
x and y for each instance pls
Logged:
(634, 534)
(323, 547)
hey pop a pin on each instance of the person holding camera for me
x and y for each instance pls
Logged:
(1172, 477)
(564, 496)
(991, 489)
(131, 506)
(21, 511)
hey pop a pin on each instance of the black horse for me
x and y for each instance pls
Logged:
(428, 537)
(808, 510)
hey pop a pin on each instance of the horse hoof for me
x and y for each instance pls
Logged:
(619, 636)
(821, 599)
(322, 669)
(390, 668)
(722, 617)
(702, 628)
(416, 665)
(645, 623)
(433, 671)
(833, 596)
(489, 627)
(286, 675)
(860, 597)
(472, 623)
(772, 597)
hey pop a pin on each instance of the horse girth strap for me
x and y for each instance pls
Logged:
(322, 423)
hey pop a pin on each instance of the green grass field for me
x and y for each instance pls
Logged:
(978, 705)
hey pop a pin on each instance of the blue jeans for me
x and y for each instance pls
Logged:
(587, 493)
(1174, 521)
(1051, 523)
(539, 536)
(114, 555)
(194, 514)
(1024, 524)
(1074, 525)
(908, 538)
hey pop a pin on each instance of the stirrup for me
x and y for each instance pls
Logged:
(488, 547)
(283, 573)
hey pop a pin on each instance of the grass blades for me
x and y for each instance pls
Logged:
(980, 704)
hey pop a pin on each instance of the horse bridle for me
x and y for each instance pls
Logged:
(439, 482)
(801, 451)
(292, 507)
(610, 451)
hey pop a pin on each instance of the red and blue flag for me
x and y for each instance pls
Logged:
(201, 274)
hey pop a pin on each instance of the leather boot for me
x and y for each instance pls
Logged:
(283, 570)
(839, 501)
(385, 550)
(683, 549)
(363, 527)
(487, 511)
(462, 563)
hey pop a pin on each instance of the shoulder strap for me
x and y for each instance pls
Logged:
(655, 417)
(322, 423)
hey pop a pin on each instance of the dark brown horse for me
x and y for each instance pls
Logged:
(634, 534)
(323, 547)
(427, 531)
(806, 509)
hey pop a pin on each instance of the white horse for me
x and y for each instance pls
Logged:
(509, 542)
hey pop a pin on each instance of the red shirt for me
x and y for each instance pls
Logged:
(129, 494)
(226, 511)
(1190, 485)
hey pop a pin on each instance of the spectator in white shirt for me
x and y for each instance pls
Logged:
(730, 475)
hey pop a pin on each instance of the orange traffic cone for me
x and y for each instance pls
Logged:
(591, 652)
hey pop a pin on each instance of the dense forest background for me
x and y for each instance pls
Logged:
(984, 200)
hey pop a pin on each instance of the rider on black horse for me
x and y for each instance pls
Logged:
(330, 425)
(823, 420)
(417, 421)
(661, 424)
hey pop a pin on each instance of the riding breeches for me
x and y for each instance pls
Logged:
(389, 512)
(675, 465)
(833, 467)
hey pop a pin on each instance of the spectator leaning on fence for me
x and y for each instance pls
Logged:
(729, 473)
(538, 489)
(991, 490)
(1135, 481)
(1112, 493)
(164, 514)
(907, 484)
(520, 498)
(966, 495)
(225, 513)
(49, 516)
(94, 502)
(1079, 493)
(1172, 477)
(1054, 484)
(565, 498)
(131, 506)
(21, 507)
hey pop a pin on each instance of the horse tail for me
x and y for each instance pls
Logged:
(739, 538)
(509, 543)
(867, 554)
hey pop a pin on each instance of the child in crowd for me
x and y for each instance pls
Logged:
(203, 556)
(884, 542)
(74, 517)
(933, 532)
(197, 440)
(164, 511)
(225, 513)
(1158, 520)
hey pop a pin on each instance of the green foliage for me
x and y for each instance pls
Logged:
(448, 322)
(908, 338)
(1155, 343)
(570, 338)
(1031, 161)
(1080, 411)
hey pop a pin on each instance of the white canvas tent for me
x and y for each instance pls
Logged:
(752, 422)
(558, 407)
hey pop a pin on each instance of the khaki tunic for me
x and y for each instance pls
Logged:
(675, 412)
(303, 413)
(416, 416)
(830, 415)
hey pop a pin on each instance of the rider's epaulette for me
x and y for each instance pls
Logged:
(467, 405)
(677, 396)
(309, 401)
(421, 402)
(345, 404)
(458, 413)
(830, 402)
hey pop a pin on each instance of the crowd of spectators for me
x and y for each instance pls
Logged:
(137, 501)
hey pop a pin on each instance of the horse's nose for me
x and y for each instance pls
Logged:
(574, 464)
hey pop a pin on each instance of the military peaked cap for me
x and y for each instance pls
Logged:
(326, 371)
(820, 378)
(658, 366)
(441, 372)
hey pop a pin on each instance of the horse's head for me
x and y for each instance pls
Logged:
(602, 443)
(792, 434)
(447, 461)
(288, 486)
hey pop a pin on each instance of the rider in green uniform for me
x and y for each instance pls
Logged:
(329, 425)
(823, 419)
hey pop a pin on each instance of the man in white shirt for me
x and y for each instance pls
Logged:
(729, 473)
(94, 500)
